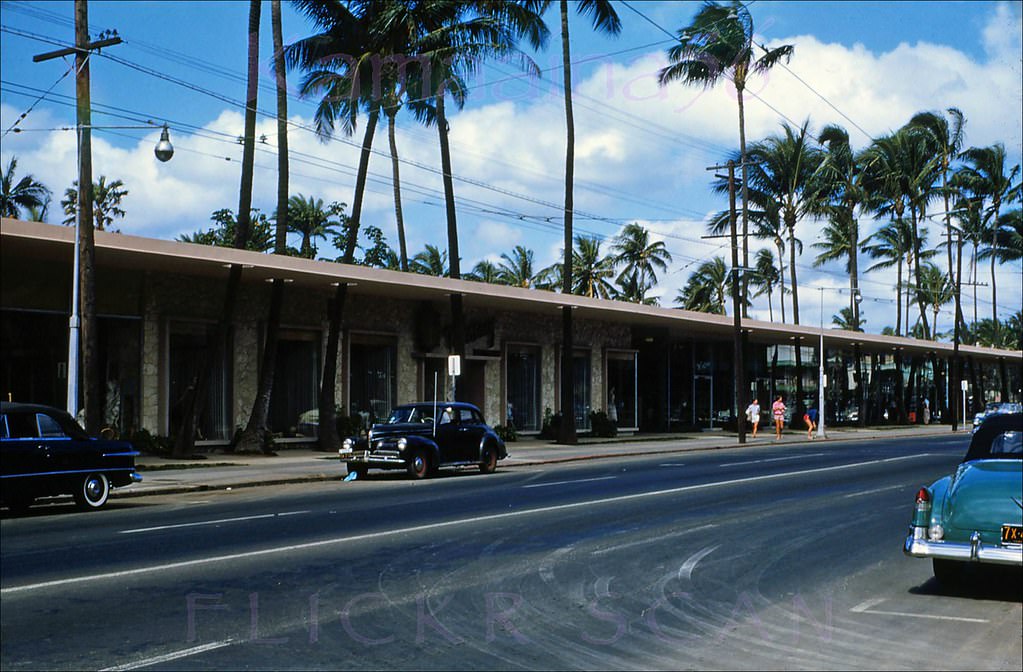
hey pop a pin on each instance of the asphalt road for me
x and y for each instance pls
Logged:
(774, 557)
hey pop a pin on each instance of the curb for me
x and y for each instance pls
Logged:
(526, 462)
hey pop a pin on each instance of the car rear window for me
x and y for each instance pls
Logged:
(1007, 444)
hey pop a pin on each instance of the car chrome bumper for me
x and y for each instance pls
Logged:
(136, 477)
(371, 459)
(972, 551)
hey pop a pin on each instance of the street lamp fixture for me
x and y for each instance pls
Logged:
(164, 149)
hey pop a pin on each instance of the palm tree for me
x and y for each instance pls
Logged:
(216, 339)
(308, 217)
(639, 257)
(517, 269)
(840, 191)
(946, 137)
(785, 169)
(707, 288)
(106, 202)
(454, 38)
(27, 193)
(766, 277)
(605, 20)
(936, 289)
(485, 271)
(338, 62)
(431, 261)
(256, 433)
(968, 214)
(633, 289)
(986, 177)
(595, 271)
(846, 320)
(902, 172)
(719, 43)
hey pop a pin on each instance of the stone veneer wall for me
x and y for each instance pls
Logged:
(170, 297)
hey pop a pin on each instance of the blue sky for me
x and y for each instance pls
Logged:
(642, 151)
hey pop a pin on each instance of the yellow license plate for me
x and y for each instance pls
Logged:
(1012, 534)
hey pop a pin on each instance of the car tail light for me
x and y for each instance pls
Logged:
(922, 514)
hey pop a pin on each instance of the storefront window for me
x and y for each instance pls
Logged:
(621, 388)
(294, 406)
(523, 392)
(581, 388)
(373, 379)
(190, 356)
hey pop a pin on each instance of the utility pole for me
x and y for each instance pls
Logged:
(82, 325)
(955, 365)
(737, 358)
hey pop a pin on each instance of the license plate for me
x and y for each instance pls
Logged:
(1012, 534)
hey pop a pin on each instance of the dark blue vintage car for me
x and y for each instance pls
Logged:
(974, 515)
(44, 452)
(423, 437)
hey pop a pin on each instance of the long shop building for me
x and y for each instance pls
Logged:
(650, 369)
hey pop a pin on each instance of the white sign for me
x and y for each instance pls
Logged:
(963, 383)
(454, 365)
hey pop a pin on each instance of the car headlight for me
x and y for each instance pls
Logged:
(346, 446)
(402, 443)
(936, 533)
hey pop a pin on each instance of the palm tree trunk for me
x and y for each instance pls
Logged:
(193, 405)
(898, 300)
(566, 430)
(916, 259)
(255, 435)
(328, 437)
(398, 216)
(457, 342)
(781, 275)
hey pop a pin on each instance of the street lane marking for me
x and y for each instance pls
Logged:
(685, 572)
(640, 542)
(167, 657)
(672, 464)
(770, 459)
(292, 548)
(874, 491)
(212, 522)
(866, 608)
(581, 480)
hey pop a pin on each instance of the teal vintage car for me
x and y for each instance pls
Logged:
(975, 515)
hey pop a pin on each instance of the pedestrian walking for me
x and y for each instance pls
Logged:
(753, 416)
(810, 418)
(778, 411)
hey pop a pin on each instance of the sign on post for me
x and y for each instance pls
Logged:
(454, 365)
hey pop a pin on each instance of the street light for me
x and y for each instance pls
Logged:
(84, 249)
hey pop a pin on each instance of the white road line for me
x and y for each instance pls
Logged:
(167, 657)
(771, 459)
(581, 480)
(292, 548)
(211, 522)
(686, 570)
(865, 608)
(672, 464)
(650, 540)
(874, 491)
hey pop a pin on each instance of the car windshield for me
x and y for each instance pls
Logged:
(404, 414)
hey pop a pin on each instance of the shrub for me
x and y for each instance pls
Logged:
(151, 444)
(551, 424)
(507, 432)
(602, 426)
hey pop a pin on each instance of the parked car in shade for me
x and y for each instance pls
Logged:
(423, 437)
(975, 515)
(44, 452)
(996, 407)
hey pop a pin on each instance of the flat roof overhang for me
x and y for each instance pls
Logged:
(117, 250)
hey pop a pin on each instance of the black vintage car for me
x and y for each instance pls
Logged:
(424, 437)
(44, 452)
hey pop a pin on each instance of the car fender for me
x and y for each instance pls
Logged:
(939, 499)
(492, 440)
(414, 442)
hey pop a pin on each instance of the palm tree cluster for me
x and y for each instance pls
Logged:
(899, 179)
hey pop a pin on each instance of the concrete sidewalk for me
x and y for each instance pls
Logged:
(223, 471)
